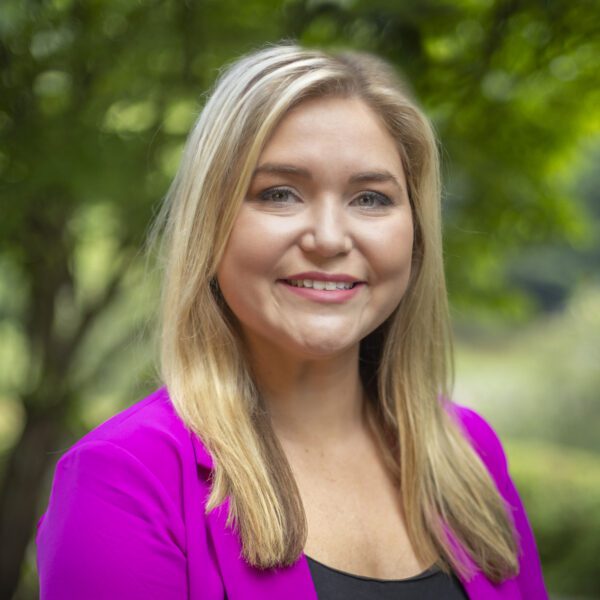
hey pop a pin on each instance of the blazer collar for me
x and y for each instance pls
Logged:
(203, 457)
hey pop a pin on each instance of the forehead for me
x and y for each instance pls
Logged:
(333, 132)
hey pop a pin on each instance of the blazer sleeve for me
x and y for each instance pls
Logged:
(111, 530)
(487, 444)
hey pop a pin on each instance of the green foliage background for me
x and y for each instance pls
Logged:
(96, 98)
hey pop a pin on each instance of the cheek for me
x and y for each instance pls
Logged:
(235, 280)
(396, 278)
(390, 249)
(249, 263)
(246, 251)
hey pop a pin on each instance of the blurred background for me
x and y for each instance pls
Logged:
(96, 98)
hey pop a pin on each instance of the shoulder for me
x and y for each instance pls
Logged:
(153, 416)
(150, 431)
(483, 438)
(143, 449)
(122, 501)
(142, 461)
(486, 443)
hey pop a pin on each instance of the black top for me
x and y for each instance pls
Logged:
(432, 584)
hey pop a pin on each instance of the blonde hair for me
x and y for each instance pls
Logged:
(445, 490)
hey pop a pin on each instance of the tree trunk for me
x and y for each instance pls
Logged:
(23, 480)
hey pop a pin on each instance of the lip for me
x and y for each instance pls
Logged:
(324, 296)
(319, 276)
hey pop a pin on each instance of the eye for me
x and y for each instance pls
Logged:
(372, 200)
(278, 195)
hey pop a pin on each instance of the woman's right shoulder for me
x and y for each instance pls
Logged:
(146, 446)
(122, 500)
(150, 430)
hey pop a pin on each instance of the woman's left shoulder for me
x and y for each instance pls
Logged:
(487, 444)
(483, 438)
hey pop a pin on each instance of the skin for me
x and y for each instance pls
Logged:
(328, 195)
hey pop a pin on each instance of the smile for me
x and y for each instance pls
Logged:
(317, 284)
(323, 290)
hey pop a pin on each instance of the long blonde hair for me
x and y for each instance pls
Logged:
(446, 492)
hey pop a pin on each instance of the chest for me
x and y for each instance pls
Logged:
(355, 520)
(216, 570)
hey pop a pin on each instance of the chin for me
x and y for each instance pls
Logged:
(322, 348)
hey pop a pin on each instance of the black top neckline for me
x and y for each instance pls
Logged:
(432, 570)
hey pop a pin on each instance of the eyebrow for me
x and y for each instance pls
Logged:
(383, 176)
(281, 169)
(377, 177)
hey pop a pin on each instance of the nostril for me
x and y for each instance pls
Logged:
(326, 240)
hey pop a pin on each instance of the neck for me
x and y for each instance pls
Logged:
(310, 401)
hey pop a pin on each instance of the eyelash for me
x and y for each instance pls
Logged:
(381, 198)
(268, 196)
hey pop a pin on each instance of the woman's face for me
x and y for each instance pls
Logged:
(320, 252)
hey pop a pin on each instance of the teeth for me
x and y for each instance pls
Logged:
(321, 285)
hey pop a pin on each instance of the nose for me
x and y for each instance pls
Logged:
(327, 231)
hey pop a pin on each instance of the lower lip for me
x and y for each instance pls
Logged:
(334, 296)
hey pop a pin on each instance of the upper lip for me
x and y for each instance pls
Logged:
(318, 276)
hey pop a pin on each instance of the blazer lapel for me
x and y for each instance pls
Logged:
(480, 588)
(244, 582)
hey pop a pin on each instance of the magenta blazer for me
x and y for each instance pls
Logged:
(126, 519)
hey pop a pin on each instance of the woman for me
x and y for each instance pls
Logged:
(304, 447)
